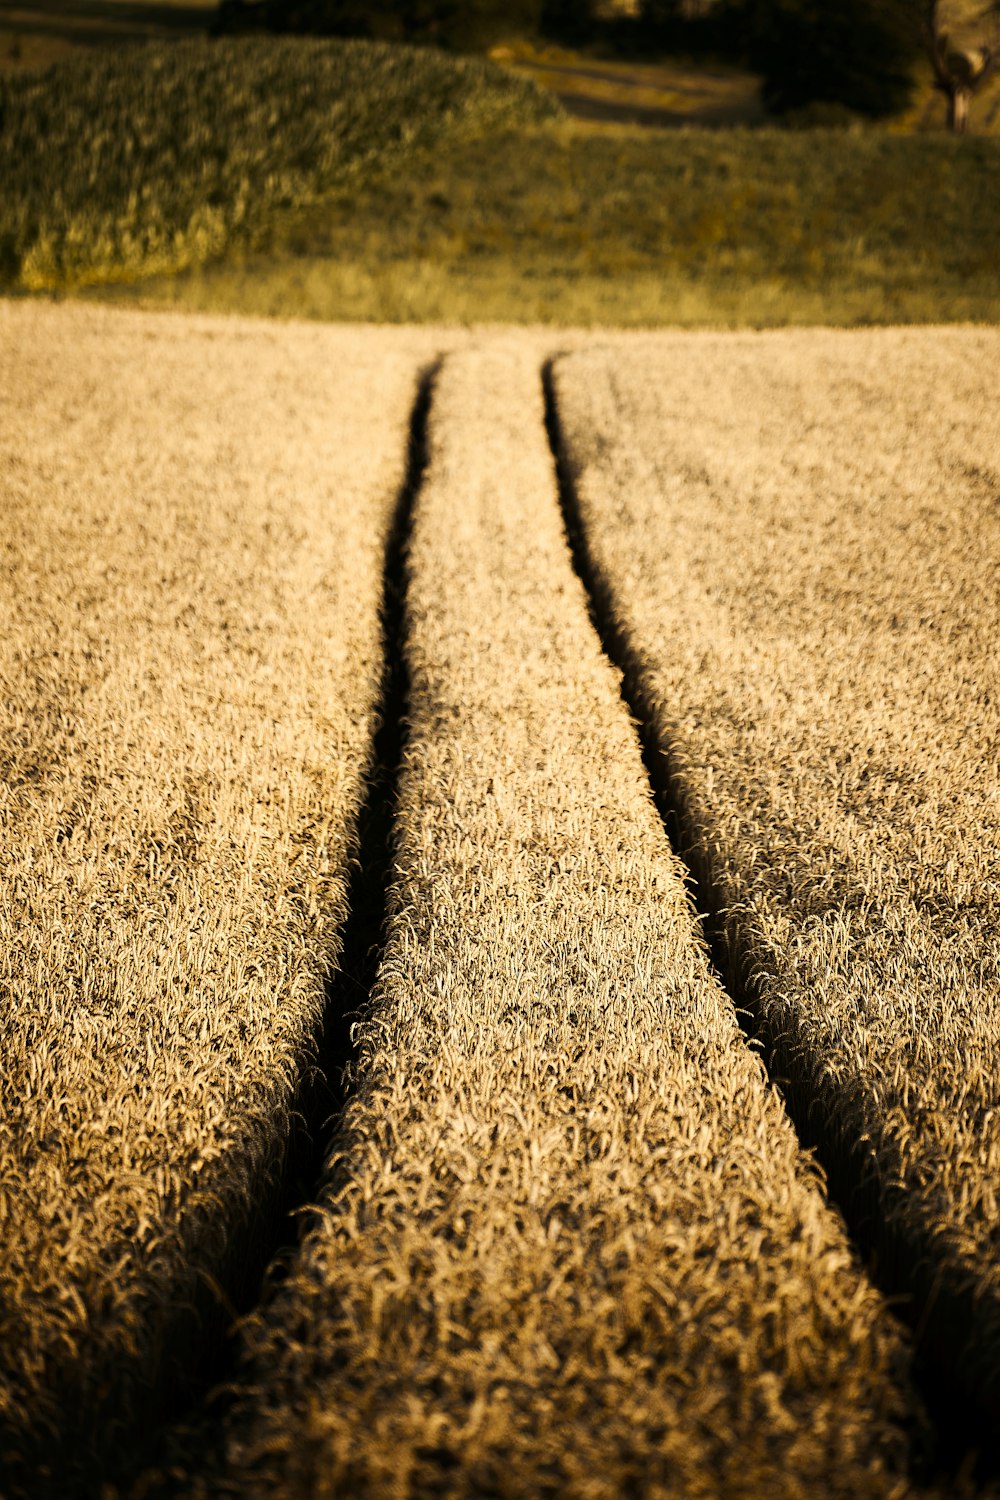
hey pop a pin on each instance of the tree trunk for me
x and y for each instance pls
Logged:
(958, 109)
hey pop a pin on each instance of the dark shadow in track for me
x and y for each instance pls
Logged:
(957, 1450)
(371, 876)
(325, 1091)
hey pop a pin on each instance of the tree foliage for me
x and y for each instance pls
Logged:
(857, 53)
(692, 26)
(450, 23)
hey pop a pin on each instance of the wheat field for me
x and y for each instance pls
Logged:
(804, 571)
(571, 1233)
(190, 669)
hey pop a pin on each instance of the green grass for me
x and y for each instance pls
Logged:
(565, 224)
(357, 181)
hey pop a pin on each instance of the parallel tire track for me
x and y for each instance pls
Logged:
(568, 1243)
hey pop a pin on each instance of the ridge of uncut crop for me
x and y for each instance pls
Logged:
(193, 524)
(568, 1243)
(797, 539)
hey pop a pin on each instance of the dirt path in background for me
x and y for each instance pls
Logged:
(662, 94)
(33, 36)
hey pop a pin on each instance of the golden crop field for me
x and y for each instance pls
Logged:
(569, 1243)
(194, 522)
(797, 543)
(565, 1238)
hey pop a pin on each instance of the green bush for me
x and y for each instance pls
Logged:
(155, 158)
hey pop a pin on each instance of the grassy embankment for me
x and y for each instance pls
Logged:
(338, 180)
(796, 540)
(568, 1244)
(190, 675)
(154, 158)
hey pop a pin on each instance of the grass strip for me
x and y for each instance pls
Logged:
(195, 517)
(794, 539)
(568, 1243)
(567, 225)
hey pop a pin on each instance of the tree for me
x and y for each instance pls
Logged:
(449, 23)
(864, 54)
(960, 67)
(692, 25)
(859, 54)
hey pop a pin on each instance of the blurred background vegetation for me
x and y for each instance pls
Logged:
(867, 57)
(542, 160)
